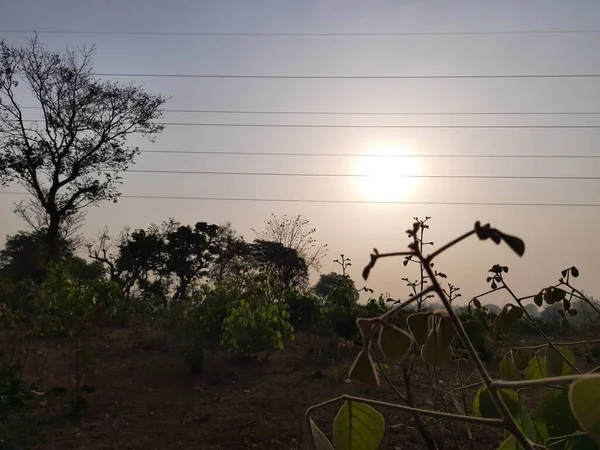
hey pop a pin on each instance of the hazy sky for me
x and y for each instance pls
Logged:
(556, 237)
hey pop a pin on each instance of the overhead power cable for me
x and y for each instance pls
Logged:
(301, 125)
(348, 77)
(366, 155)
(303, 34)
(360, 202)
(348, 175)
(372, 113)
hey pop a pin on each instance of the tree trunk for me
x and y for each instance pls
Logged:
(53, 238)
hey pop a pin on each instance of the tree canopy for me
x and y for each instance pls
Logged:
(68, 153)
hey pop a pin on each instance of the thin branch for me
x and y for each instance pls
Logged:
(504, 384)
(424, 412)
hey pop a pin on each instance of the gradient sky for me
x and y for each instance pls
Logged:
(555, 237)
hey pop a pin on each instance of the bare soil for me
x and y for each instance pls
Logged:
(144, 398)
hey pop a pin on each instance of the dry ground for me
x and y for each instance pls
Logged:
(144, 398)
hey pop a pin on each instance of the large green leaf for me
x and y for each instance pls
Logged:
(418, 323)
(362, 370)
(525, 424)
(502, 322)
(314, 439)
(357, 426)
(584, 398)
(394, 342)
(508, 368)
(514, 314)
(521, 358)
(536, 368)
(447, 332)
(434, 352)
(555, 365)
(554, 411)
(484, 406)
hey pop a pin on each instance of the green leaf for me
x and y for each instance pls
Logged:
(539, 299)
(484, 406)
(521, 358)
(418, 324)
(446, 333)
(433, 352)
(314, 439)
(554, 411)
(536, 368)
(584, 398)
(362, 370)
(557, 294)
(516, 244)
(508, 368)
(476, 303)
(502, 322)
(514, 314)
(357, 426)
(394, 342)
(542, 430)
(554, 363)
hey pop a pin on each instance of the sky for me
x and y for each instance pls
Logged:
(556, 237)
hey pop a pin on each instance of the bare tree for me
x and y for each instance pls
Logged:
(69, 155)
(296, 233)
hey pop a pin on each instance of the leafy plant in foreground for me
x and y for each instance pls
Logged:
(566, 418)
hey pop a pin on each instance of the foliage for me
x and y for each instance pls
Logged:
(564, 419)
(337, 288)
(257, 322)
(71, 158)
(304, 309)
(479, 327)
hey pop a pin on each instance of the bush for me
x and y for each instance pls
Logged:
(258, 321)
(477, 322)
(304, 309)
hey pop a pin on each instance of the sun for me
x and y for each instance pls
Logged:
(383, 178)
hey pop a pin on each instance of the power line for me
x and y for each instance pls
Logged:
(346, 77)
(300, 34)
(366, 155)
(361, 202)
(348, 175)
(301, 125)
(373, 113)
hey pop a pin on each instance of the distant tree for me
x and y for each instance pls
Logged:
(295, 233)
(25, 255)
(493, 309)
(231, 258)
(330, 282)
(283, 265)
(69, 156)
(188, 254)
(532, 309)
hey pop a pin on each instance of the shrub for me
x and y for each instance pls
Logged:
(257, 321)
(304, 309)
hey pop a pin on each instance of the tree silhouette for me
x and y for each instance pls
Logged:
(68, 156)
(295, 233)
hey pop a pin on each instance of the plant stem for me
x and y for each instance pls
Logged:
(425, 412)
(561, 344)
(464, 338)
(540, 331)
(446, 247)
(504, 384)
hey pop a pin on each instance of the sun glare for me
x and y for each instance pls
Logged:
(387, 178)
